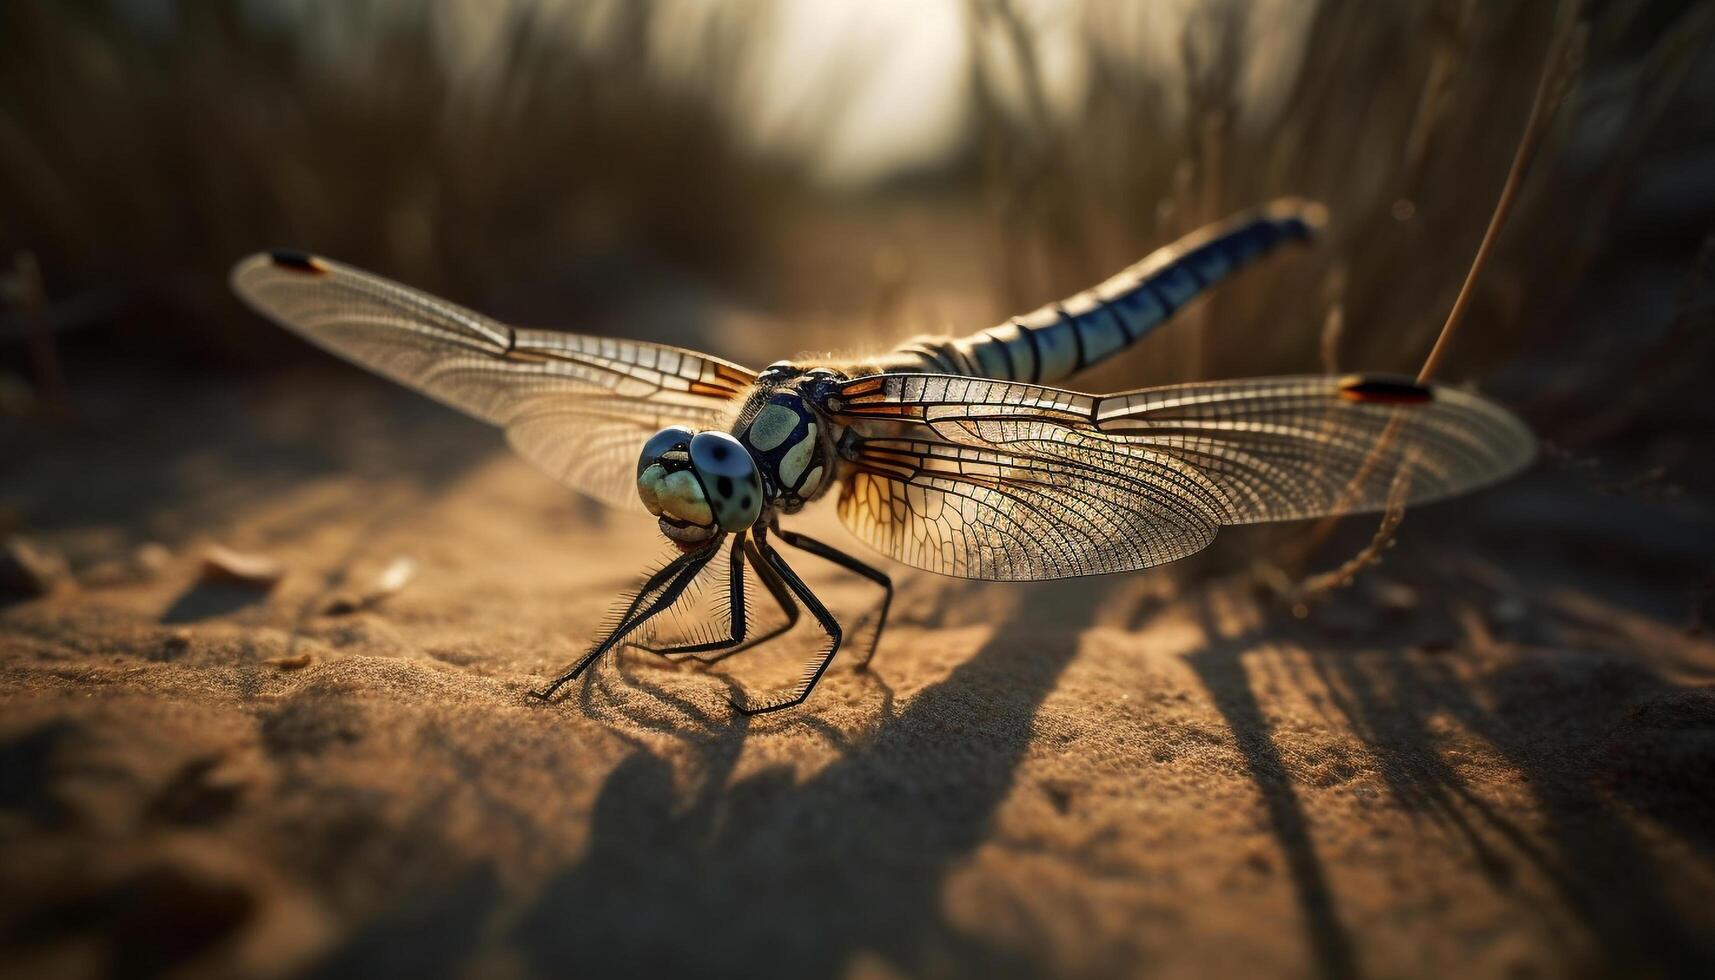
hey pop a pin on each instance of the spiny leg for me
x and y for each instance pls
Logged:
(717, 650)
(671, 581)
(847, 562)
(737, 620)
(782, 597)
(830, 625)
(655, 582)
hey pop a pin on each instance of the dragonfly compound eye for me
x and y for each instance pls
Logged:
(670, 489)
(673, 437)
(729, 477)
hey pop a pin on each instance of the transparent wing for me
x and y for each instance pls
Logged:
(577, 407)
(1006, 513)
(936, 463)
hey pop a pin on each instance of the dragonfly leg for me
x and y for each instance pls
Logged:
(782, 598)
(736, 612)
(847, 562)
(655, 582)
(666, 586)
(830, 625)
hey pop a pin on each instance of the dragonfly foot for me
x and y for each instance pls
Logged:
(763, 709)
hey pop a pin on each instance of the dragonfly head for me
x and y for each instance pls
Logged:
(699, 484)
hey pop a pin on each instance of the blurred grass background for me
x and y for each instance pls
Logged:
(1475, 729)
(763, 178)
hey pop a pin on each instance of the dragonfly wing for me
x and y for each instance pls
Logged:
(1295, 447)
(578, 407)
(1136, 479)
(1007, 513)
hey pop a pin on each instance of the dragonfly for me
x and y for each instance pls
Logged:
(956, 455)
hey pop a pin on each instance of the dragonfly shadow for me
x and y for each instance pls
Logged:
(1567, 725)
(1587, 844)
(777, 877)
(1220, 668)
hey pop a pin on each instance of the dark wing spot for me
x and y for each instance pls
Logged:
(1385, 391)
(297, 261)
(723, 484)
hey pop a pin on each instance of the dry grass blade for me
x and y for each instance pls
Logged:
(1559, 69)
(1564, 57)
(26, 293)
(1371, 553)
(1334, 323)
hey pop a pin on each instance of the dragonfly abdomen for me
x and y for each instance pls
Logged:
(1063, 338)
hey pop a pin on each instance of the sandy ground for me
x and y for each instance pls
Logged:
(1493, 757)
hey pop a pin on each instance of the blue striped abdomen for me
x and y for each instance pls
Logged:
(1063, 338)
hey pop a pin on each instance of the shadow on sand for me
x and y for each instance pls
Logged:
(769, 876)
(797, 878)
(1590, 733)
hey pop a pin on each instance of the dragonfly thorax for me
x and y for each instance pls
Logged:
(783, 437)
(698, 484)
